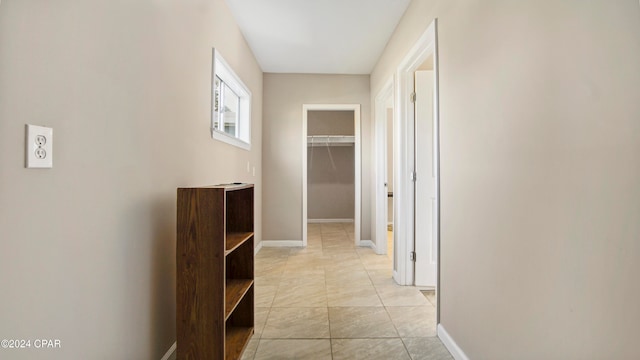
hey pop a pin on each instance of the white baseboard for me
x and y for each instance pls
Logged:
(170, 354)
(367, 243)
(282, 243)
(323, 221)
(255, 251)
(425, 288)
(450, 344)
(374, 247)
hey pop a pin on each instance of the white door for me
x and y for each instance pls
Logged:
(426, 254)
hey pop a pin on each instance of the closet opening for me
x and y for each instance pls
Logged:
(331, 167)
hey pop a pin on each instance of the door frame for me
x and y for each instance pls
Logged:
(380, 151)
(358, 169)
(404, 159)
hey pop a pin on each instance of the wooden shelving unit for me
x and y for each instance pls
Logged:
(236, 239)
(215, 271)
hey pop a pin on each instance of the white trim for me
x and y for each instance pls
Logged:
(330, 140)
(304, 176)
(450, 344)
(380, 150)
(218, 135)
(425, 288)
(282, 243)
(436, 144)
(367, 243)
(222, 69)
(374, 247)
(358, 168)
(323, 221)
(404, 157)
(169, 354)
(257, 249)
(395, 275)
(358, 173)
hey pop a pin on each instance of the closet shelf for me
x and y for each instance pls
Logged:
(332, 140)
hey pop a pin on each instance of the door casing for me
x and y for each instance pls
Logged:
(425, 262)
(358, 170)
(380, 150)
(404, 158)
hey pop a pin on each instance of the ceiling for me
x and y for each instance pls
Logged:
(317, 36)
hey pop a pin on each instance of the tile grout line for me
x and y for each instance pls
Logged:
(336, 247)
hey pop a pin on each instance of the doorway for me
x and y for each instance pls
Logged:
(331, 160)
(415, 181)
(425, 200)
(383, 232)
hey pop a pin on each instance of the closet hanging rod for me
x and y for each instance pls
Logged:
(324, 140)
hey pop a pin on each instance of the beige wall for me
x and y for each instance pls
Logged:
(330, 123)
(330, 182)
(284, 95)
(540, 145)
(87, 249)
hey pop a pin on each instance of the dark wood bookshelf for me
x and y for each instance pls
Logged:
(236, 239)
(236, 290)
(215, 271)
(237, 339)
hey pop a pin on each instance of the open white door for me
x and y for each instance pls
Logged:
(383, 151)
(411, 223)
(426, 254)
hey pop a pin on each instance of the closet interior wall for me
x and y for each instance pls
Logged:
(331, 167)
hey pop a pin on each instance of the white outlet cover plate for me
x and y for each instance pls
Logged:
(38, 147)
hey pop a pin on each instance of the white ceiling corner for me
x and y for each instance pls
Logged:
(317, 36)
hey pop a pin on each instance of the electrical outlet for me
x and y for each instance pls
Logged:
(38, 147)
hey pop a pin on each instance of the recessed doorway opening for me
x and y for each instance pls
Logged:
(415, 179)
(331, 166)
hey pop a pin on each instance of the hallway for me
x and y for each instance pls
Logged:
(333, 300)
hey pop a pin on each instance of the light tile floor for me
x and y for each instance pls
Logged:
(333, 300)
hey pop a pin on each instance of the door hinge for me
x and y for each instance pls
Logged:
(413, 176)
(412, 97)
(412, 256)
